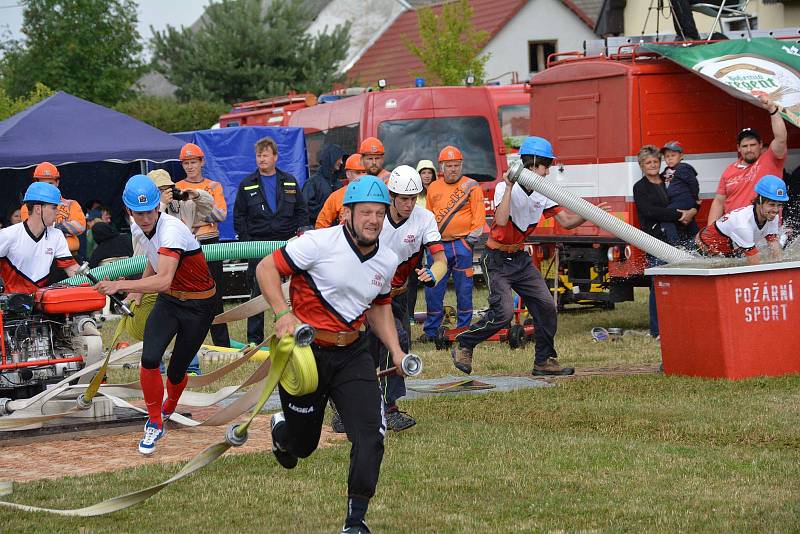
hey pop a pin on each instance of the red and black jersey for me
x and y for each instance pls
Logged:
(172, 238)
(25, 259)
(333, 284)
(407, 239)
(527, 209)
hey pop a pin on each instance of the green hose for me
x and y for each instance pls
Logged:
(245, 250)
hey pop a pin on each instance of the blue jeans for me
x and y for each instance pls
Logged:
(459, 264)
(194, 366)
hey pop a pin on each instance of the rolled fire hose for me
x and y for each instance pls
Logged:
(590, 212)
(292, 365)
(215, 252)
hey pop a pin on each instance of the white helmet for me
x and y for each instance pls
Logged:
(404, 180)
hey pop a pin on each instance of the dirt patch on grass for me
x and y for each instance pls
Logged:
(99, 451)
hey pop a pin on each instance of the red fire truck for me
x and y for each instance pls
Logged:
(598, 109)
(414, 124)
(267, 111)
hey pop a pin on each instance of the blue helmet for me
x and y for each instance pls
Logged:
(43, 192)
(536, 146)
(772, 187)
(141, 194)
(366, 189)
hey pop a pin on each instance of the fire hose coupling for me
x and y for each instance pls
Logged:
(82, 402)
(411, 365)
(233, 437)
(4, 409)
(304, 335)
(84, 270)
(514, 171)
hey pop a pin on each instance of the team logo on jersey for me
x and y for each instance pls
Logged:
(410, 238)
(377, 280)
(49, 251)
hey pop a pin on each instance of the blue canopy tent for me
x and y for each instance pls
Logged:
(230, 157)
(96, 149)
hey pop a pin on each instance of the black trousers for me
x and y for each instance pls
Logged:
(219, 332)
(185, 320)
(393, 386)
(507, 272)
(346, 375)
(255, 323)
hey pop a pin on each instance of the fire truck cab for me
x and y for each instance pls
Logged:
(598, 111)
(414, 124)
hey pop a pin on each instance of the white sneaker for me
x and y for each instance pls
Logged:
(151, 434)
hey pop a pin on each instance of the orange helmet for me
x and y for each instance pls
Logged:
(353, 163)
(46, 170)
(191, 151)
(371, 146)
(450, 153)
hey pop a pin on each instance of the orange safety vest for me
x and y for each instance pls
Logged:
(458, 208)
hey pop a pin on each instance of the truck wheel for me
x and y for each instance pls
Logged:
(516, 336)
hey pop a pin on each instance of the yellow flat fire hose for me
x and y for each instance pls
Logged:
(293, 366)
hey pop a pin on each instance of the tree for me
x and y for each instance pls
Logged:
(88, 48)
(450, 46)
(172, 116)
(11, 106)
(240, 53)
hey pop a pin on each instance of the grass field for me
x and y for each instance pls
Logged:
(633, 453)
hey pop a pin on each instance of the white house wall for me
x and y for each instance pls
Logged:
(369, 19)
(538, 20)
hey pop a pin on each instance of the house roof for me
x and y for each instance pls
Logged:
(389, 58)
(587, 10)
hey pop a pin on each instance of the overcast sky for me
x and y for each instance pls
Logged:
(156, 13)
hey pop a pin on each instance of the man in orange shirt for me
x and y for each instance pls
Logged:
(457, 204)
(736, 185)
(331, 213)
(207, 231)
(69, 217)
(372, 157)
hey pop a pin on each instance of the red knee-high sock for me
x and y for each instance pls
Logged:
(174, 393)
(153, 390)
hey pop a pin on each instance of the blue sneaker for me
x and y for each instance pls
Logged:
(151, 434)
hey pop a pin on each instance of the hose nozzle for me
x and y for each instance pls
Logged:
(411, 364)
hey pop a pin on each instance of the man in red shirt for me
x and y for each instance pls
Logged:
(735, 188)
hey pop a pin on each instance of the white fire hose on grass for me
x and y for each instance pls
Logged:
(606, 221)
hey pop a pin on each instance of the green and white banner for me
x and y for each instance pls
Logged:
(746, 69)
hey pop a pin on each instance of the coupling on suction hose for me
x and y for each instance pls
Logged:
(82, 402)
(4, 409)
(515, 169)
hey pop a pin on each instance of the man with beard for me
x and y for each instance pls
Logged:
(735, 188)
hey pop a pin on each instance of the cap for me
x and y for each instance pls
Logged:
(675, 146)
(160, 177)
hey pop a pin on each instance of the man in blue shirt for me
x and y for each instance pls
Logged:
(269, 206)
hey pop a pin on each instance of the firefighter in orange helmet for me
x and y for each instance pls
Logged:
(457, 205)
(372, 156)
(331, 212)
(69, 217)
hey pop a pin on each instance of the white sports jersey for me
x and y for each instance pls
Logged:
(333, 284)
(525, 213)
(173, 238)
(737, 232)
(740, 225)
(407, 239)
(25, 261)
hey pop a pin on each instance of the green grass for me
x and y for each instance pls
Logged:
(635, 453)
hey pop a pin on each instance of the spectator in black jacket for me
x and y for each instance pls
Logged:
(269, 206)
(325, 181)
(109, 244)
(652, 203)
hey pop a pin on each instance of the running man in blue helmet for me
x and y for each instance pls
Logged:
(739, 232)
(508, 266)
(176, 269)
(340, 276)
(28, 250)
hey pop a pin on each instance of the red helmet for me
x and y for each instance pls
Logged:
(371, 146)
(450, 153)
(191, 151)
(46, 170)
